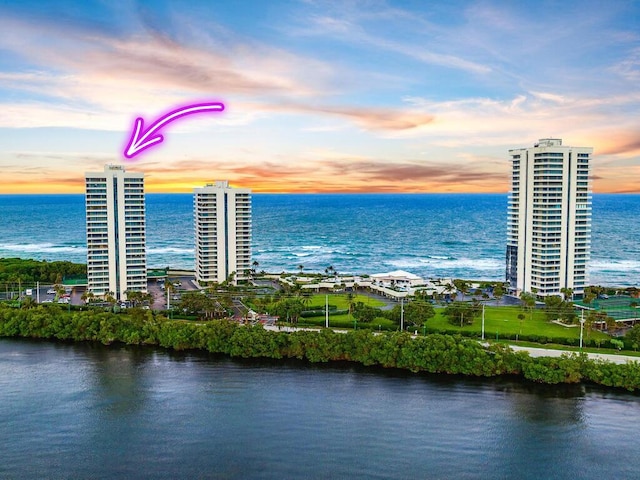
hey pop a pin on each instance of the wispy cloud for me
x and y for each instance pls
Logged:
(350, 31)
(105, 78)
(358, 95)
(629, 67)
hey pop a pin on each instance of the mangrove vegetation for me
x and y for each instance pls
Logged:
(433, 353)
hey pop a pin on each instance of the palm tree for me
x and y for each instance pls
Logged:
(498, 292)
(58, 287)
(301, 268)
(450, 289)
(13, 279)
(589, 322)
(528, 301)
(109, 298)
(295, 290)
(27, 303)
(611, 324)
(132, 296)
(589, 296)
(248, 273)
(169, 286)
(351, 302)
(462, 286)
(306, 298)
(88, 296)
(567, 293)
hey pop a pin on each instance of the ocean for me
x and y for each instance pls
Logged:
(432, 235)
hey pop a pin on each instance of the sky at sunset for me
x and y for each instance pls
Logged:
(320, 96)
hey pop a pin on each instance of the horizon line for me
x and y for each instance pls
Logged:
(331, 192)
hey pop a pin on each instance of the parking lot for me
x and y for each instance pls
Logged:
(72, 295)
(157, 289)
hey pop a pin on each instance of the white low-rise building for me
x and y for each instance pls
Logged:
(397, 284)
(397, 278)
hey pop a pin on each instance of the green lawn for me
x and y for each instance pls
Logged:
(499, 321)
(340, 300)
(504, 320)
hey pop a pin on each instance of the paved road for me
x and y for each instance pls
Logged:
(156, 289)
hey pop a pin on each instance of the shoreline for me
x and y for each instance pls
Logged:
(434, 353)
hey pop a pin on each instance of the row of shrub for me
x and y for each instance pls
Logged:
(434, 353)
(318, 313)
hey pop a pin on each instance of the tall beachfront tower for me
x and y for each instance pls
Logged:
(222, 232)
(549, 218)
(116, 256)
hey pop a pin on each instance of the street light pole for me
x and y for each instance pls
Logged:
(483, 321)
(402, 314)
(581, 326)
(326, 311)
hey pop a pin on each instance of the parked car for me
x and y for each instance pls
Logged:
(51, 291)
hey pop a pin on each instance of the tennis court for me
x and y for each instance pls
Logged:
(620, 308)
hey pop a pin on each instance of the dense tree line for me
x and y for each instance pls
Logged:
(14, 270)
(435, 353)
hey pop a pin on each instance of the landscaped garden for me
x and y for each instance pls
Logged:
(339, 316)
(501, 322)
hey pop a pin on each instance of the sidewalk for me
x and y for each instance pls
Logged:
(533, 351)
(547, 352)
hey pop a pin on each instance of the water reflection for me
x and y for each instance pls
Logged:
(88, 411)
(119, 382)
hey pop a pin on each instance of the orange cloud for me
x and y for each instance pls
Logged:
(372, 118)
(622, 145)
(318, 171)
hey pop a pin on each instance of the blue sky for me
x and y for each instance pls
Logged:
(410, 96)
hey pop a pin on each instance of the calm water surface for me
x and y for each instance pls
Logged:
(87, 411)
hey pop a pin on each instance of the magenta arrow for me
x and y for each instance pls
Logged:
(141, 140)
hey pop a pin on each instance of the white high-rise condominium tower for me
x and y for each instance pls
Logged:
(549, 218)
(223, 232)
(116, 257)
